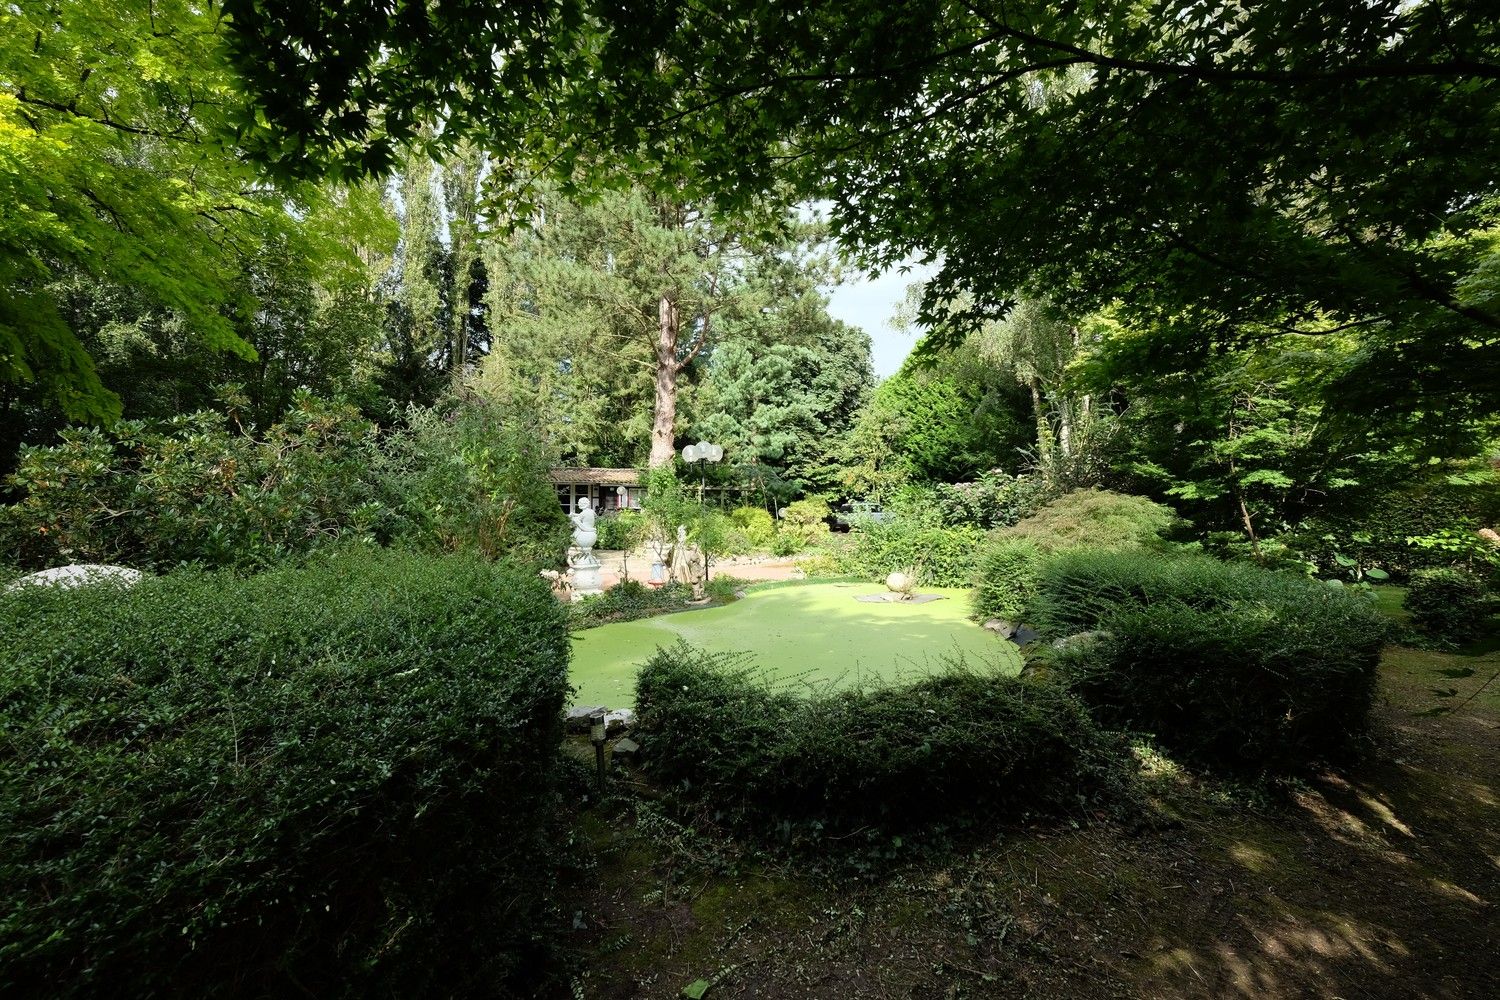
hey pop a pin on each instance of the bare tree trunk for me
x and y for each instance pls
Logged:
(663, 445)
(1249, 527)
(1239, 498)
(1065, 428)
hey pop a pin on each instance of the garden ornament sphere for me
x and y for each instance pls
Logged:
(899, 583)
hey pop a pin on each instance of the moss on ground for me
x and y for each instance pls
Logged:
(812, 634)
(1371, 882)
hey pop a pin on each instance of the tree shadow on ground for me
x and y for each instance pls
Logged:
(1379, 882)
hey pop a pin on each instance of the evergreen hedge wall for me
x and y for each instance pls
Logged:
(330, 781)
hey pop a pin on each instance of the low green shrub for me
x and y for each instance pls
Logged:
(1230, 664)
(787, 543)
(805, 519)
(1006, 580)
(331, 781)
(829, 560)
(756, 524)
(621, 530)
(1450, 604)
(994, 500)
(1095, 519)
(961, 743)
(627, 601)
(942, 557)
(723, 588)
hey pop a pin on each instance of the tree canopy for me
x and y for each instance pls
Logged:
(1216, 172)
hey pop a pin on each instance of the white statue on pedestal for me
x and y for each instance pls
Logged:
(583, 566)
(584, 535)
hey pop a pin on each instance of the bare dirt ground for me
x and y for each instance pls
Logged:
(1380, 882)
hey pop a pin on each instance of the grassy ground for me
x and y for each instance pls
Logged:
(1380, 881)
(806, 634)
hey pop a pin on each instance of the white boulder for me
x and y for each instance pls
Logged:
(78, 575)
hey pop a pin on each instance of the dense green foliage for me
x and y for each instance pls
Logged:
(805, 520)
(620, 530)
(1094, 519)
(965, 743)
(993, 500)
(112, 165)
(1226, 663)
(334, 780)
(627, 601)
(1425, 524)
(783, 388)
(925, 423)
(757, 525)
(1005, 580)
(192, 490)
(1451, 604)
(940, 557)
(1075, 129)
(470, 473)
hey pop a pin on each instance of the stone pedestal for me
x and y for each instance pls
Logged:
(587, 581)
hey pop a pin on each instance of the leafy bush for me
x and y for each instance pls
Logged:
(1423, 526)
(897, 757)
(190, 490)
(1095, 519)
(627, 601)
(1228, 663)
(787, 543)
(1006, 580)
(621, 530)
(1451, 604)
(757, 525)
(332, 781)
(942, 557)
(994, 500)
(468, 474)
(723, 588)
(805, 519)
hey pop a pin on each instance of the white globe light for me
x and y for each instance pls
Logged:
(715, 453)
(690, 453)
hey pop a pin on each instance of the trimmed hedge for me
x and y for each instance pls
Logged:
(893, 757)
(330, 781)
(1451, 604)
(1006, 580)
(942, 557)
(1227, 663)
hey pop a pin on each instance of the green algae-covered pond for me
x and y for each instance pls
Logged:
(801, 636)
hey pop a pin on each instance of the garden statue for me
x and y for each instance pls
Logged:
(678, 566)
(583, 567)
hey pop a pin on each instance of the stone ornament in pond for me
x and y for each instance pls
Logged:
(900, 583)
(78, 575)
